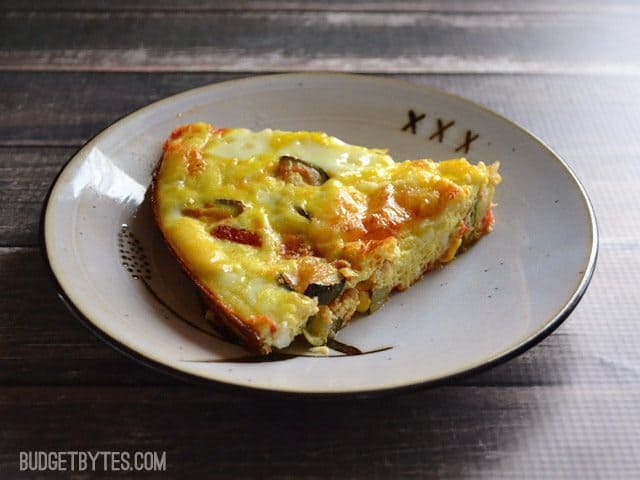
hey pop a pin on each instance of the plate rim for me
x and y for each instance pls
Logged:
(499, 358)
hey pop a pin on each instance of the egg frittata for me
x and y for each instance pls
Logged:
(292, 233)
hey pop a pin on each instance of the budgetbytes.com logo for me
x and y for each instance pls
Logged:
(92, 461)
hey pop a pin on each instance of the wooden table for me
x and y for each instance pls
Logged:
(568, 71)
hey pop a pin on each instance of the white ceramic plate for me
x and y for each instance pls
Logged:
(504, 295)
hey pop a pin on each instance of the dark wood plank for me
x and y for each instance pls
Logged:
(79, 105)
(594, 112)
(42, 344)
(463, 6)
(365, 42)
(25, 177)
(456, 432)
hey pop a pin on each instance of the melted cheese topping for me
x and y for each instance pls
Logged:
(239, 223)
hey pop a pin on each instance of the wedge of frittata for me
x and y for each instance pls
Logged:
(292, 233)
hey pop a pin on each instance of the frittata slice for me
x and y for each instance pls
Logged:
(289, 233)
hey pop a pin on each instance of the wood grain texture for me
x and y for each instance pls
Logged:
(589, 112)
(223, 41)
(449, 433)
(25, 178)
(40, 337)
(461, 6)
(66, 109)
